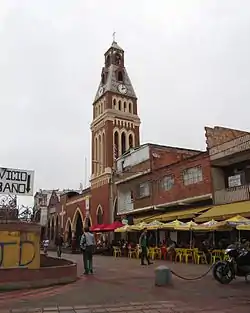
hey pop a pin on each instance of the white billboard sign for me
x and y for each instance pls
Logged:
(16, 182)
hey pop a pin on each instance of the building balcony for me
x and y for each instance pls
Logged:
(234, 194)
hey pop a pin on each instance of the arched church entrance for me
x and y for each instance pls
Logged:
(48, 229)
(52, 230)
(69, 239)
(79, 228)
(57, 226)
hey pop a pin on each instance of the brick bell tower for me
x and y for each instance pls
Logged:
(115, 129)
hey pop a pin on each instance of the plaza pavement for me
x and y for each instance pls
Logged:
(122, 285)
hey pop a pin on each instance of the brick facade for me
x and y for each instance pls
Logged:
(74, 206)
(179, 191)
(175, 165)
(218, 135)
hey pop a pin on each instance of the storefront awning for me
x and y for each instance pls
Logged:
(177, 215)
(222, 212)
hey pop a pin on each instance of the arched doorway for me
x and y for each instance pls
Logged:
(57, 226)
(79, 228)
(48, 229)
(69, 239)
(52, 230)
(99, 215)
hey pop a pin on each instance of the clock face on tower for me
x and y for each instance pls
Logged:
(122, 89)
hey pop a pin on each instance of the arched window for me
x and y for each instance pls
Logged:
(108, 60)
(116, 144)
(125, 106)
(117, 57)
(100, 154)
(95, 155)
(120, 77)
(123, 142)
(103, 78)
(114, 103)
(119, 105)
(99, 216)
(130, 107)
(130, 141)
(103, 152)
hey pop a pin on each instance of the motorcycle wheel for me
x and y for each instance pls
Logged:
(223, 273)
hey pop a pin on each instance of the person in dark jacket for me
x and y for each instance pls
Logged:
(59, 244)
(143, 242)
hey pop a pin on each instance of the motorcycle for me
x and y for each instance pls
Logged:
(237, 264)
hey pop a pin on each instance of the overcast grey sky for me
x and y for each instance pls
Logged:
(188, 61)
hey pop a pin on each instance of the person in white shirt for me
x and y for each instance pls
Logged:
(87, 244)
(45, 246)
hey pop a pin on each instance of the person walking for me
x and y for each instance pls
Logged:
(143, 242)
(45, 246)
(87, 244)
(59, 244)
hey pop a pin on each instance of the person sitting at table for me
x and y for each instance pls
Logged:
(205, 248)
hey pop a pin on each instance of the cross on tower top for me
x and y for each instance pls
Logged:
(114, 33)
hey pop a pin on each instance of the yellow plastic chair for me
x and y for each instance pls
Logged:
(178, 256)
(117, 252)
(200, 257)
(188, 254)
(216, 255)
(151, 253)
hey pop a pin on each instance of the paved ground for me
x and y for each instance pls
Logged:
(122, 285)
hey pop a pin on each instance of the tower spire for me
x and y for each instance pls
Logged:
(114, 33)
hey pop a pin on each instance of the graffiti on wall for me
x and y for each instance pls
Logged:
(21, 245)
(19, 249)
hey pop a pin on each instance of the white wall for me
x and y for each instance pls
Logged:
(133, 158)
(124, 202)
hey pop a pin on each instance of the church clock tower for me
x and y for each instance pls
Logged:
(115, 129)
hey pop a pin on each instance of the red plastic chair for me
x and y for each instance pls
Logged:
(164, 253)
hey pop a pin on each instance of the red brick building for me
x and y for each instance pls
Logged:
(229, 152)
(74, 214)
(155, 178)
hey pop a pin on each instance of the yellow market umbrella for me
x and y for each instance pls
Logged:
(234, 221)
(243, 227)
(138, 227)
(154, 225)
(123, 229)
(172, 225)
(208, 226)
(187, 226)
(238, 219)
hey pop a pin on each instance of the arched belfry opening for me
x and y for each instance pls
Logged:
(123, 142)
(120, 77)
(108, 62)
(130, 141)
(118, 59)
(116, 144)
